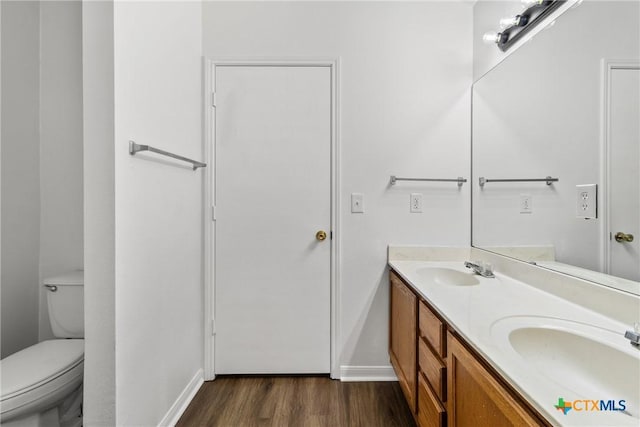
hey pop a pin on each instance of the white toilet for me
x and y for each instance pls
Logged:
(42, 384)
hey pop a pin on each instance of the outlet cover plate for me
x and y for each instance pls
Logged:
(587, 201)
(526, 204)
(416, 203)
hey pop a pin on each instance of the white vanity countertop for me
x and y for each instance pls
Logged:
(478, 312)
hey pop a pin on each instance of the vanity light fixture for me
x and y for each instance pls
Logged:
(514, 28)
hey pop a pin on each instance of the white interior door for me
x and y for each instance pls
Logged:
(624, 172)
(272, 195)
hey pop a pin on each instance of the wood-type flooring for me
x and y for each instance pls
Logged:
(297, 401)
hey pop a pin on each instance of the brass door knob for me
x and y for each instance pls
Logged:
(321, 235)
(622, 237)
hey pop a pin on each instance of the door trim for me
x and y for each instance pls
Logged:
(210, 66)
(608, 65)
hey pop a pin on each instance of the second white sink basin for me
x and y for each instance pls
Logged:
(592, 362)
(447, 276)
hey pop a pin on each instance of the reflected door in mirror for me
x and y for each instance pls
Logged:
(624, 172)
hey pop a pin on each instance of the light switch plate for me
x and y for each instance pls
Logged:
(587, 201)
(357, 203)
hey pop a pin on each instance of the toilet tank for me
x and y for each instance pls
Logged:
(65, 299)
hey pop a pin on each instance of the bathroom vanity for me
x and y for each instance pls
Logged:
(470, 350)
(434, 364)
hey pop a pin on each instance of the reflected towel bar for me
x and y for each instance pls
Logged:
(134, 148)
(548, 180)
(459, 180)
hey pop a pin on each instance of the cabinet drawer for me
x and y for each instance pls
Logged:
(433, 369)
(432, 330)
(431, 413)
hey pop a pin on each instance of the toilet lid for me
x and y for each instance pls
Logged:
(38, 364)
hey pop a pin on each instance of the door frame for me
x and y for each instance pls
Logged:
(608, 65)
(209, 176)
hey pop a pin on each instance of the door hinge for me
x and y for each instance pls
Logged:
(213, 99)
(213, 327)
(213, 213)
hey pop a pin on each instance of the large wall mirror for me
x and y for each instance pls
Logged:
(565, 105)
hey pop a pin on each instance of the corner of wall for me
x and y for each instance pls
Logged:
(99, 213)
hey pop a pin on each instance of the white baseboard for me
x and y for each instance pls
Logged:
(182, 402)
(367, 373)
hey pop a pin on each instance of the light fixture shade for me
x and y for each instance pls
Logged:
(528, 3)
(491, 37)
(516, 21)
(509, 22)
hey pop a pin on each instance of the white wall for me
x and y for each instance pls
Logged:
(143, 215)
(20, 175)
(404, 110)
(42, 186)
(61, 201)
(158, 228)
(99, 214)
(1, 101)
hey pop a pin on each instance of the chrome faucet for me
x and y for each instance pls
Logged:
(481, 268)
(634, 336)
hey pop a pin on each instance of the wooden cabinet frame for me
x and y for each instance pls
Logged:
(402, 337)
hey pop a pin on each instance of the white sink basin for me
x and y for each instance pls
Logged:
(447, 276)
(591, 362)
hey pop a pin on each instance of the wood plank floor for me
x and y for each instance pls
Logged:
(297, 401)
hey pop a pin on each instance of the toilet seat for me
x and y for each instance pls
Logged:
(35, 378)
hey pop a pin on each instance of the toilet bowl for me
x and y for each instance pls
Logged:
(40, 377)
(41, 385)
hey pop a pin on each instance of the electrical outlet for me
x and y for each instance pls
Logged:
(587, 201)
(357, 203)
(526, 204)
(416, 203)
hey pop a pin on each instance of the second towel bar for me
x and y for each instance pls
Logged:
(549, 180)
(459, 180)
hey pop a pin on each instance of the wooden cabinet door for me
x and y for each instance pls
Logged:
(402, 340)
(476, 398)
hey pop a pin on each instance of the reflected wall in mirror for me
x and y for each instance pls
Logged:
(567, 105)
